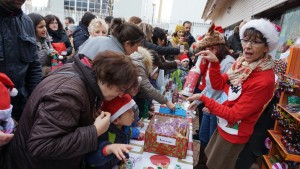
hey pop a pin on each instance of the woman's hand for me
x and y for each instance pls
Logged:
(206, 110)
(194, 97)
(171, 105)
(208, 55)
(193, 106)
(102, 122)
(118, 150)
(5, 138)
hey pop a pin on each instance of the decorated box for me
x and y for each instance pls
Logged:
(167, 135)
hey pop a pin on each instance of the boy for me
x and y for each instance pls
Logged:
(179, 76)
(113, 144)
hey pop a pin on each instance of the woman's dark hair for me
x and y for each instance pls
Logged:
(111, 68)
(71, 20)
(222, 52)
(87, 18)
(158, 33)
(125, 31)
(50, 18)
(252, 34)
(36, 18)
(155, 58)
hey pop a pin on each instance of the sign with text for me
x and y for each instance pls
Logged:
(166, 140)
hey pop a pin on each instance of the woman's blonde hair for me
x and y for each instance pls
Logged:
(95, 23)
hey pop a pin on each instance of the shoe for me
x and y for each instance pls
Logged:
(202, 159)
(195, 136)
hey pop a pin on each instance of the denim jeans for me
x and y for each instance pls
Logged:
(207, 128)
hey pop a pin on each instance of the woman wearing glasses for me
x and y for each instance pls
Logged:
(248, 84)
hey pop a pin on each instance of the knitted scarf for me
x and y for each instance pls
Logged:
(176, 40)
(240, 70)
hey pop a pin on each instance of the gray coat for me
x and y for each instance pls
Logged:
(92, 46)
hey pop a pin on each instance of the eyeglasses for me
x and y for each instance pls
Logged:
(253, 43)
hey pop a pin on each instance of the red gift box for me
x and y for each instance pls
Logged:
(166, 145)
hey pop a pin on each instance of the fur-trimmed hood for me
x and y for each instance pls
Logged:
(143, 58)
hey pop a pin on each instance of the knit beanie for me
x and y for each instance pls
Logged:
(179, 28)
(118, 106)
(211, 38)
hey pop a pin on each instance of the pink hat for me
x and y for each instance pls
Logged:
(117, 106)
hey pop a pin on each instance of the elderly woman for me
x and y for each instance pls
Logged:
(98, 27)
(61, 121)
(249, 85)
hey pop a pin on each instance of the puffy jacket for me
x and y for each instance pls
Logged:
(80, 35)
(143, 60)
(18, 56)
(56, 129)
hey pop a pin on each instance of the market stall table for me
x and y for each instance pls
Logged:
(146, 160)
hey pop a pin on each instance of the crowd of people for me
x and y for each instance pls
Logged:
(82, 89)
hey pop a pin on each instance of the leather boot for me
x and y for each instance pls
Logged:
(202, 159)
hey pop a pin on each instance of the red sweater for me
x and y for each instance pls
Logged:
(243, 112)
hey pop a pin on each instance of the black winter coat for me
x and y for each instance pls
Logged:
(161, 50)
(61, 36)
(18, 56)
(80, 35)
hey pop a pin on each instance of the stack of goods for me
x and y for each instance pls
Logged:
(173, 127)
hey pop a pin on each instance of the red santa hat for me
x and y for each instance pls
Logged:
(117, 106)
(6, 90)
(183, 58)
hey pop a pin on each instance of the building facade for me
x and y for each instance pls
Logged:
(285, 13)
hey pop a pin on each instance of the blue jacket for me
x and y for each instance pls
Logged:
(113, 135)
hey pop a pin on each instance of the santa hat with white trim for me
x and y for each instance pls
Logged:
(117, 106)
(183, 58)
(6, 90)
(267, 28)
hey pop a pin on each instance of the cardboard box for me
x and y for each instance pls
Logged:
(167, 145)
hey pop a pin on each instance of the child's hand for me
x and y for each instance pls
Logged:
(140, 124)
(5, 138)
(141, 136)
(102, 122)
(118, 150)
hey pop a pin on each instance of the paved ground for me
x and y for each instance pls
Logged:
(196, 143)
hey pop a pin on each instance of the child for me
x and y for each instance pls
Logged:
(6, 90)
(113, 144)
(179, 76)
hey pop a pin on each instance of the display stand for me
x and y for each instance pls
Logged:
(285, 115)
